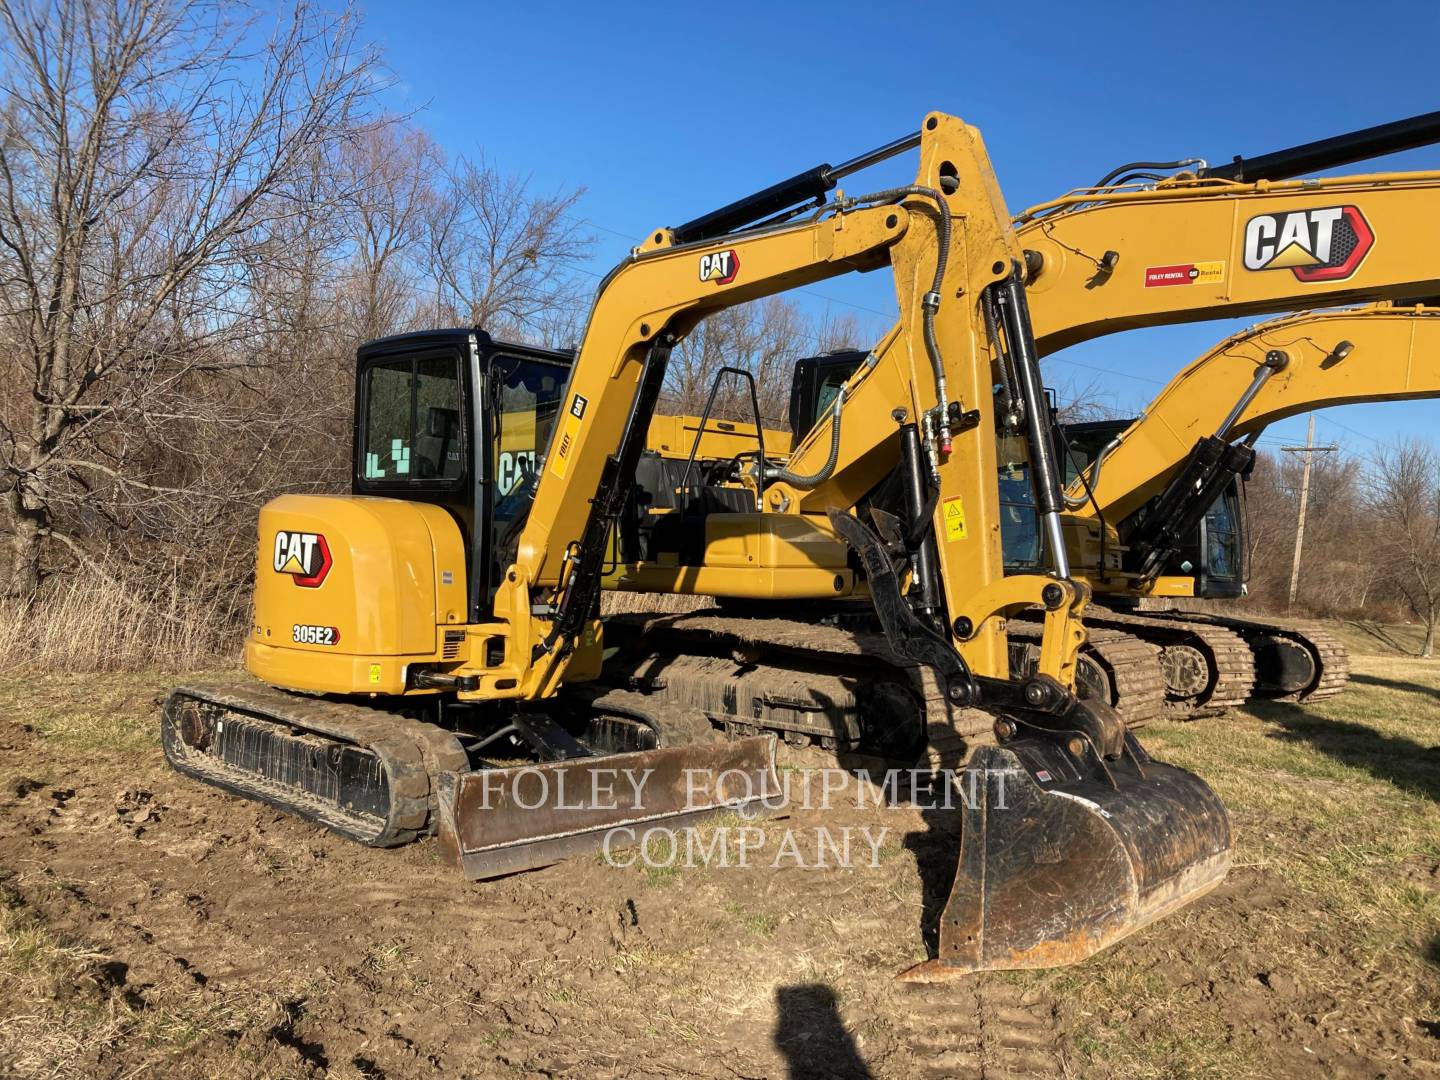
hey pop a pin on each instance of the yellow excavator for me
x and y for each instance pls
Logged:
(1099, 261)
(1153, 506)
(421, 635)
(1149, 518)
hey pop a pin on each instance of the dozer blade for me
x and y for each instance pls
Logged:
(1062, 856)
(501, 821)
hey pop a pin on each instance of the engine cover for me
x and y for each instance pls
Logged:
(350, 590)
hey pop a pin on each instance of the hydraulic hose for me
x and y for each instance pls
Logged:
(1109, 177)
(1010, 407)
(930, 304)
(1092, 481)
(820, 475)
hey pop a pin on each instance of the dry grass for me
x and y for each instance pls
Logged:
(90, 623)
(87, 622)
(628, 603)
(66, 1009)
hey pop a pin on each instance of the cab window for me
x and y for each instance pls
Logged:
(1019, 518)
(527, 395)
(1222, 540)
(413, 430)
(831, 383)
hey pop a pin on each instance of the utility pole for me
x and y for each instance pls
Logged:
(1309, 450)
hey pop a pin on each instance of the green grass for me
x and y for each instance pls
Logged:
(760, 923)
(1339, 800)
(111, 713)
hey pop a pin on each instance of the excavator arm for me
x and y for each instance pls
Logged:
(1251, 380)
(948, 241)
(1139, 837)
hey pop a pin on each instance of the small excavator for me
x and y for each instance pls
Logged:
(430, 645)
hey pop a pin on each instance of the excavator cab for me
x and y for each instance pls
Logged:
(460, 420)
(1211, 554)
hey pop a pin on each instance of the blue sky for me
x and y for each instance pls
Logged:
(664, 111)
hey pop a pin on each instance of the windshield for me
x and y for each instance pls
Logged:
(527, 396)
(1019, 520)
(1222, 539)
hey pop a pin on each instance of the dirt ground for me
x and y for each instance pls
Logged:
(152, 926)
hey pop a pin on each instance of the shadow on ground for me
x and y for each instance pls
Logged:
(812, 1037)
(1395, 684)
(1405, 763)
(937, 858)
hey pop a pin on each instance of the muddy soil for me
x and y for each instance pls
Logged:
(220, 938)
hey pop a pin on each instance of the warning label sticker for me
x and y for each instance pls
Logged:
(1200, 273)
(955, 519)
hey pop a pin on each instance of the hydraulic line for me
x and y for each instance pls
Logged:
(1109, 177)
(1011, 410)
(939, 428)
(1091, 480)
(820, 475)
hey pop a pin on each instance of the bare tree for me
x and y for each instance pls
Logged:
(765, 338)
(1405, 528)
(499, 254)
(391, 208)
(138, 179)
(1083, 402)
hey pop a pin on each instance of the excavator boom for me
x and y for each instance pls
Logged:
(1279, 369)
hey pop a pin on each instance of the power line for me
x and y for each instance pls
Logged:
(1105, 370)
(1352, 431)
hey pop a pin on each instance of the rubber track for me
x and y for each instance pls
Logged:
(1231, 663)
(409, 750)
(1132, 667)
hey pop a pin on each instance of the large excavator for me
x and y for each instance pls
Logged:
(421, 635)
(1150, 517)
(1099, 261)
(1153, 506)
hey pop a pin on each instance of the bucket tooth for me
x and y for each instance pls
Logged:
(1062, 856)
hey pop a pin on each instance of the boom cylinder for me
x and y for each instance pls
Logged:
(810, 184)
(927, 590)
(1311, 157)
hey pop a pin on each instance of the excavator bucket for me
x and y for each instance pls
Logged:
(501, 821)
(1063, 855)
